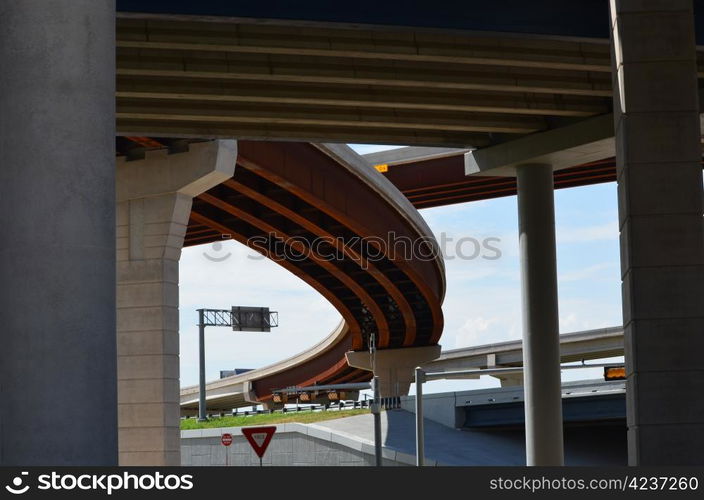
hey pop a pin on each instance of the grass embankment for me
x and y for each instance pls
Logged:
(303, 417)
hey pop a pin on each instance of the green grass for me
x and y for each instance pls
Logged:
(303, 417)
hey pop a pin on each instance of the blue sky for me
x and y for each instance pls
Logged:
(482, 303)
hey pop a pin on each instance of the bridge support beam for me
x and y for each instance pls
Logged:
(57, 250)
(394, 367)
(658, 153)
(154, 198)
(541, 335)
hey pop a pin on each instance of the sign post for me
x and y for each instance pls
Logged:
(420, 432)
(250, 319)
(226, 440)
(376, 411)
(259, 439)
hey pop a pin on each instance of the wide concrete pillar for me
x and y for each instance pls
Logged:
(658, 154)
(58, 403)
(541, 335)
(394, 367)
(154, 204)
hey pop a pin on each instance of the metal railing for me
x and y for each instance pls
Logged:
(339, 406)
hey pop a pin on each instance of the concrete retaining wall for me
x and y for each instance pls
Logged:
(292, 445)
(440, 408)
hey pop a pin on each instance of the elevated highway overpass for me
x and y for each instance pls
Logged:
(284, 201)
(574, 346)
(233, 392)
(529, 88)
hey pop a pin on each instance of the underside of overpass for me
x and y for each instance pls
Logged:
(551, 102)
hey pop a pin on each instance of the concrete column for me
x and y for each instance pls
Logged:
(58, 403)
(154, 204)
(394, 367)
(541, 336)
(658, 154)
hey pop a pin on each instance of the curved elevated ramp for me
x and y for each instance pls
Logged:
(327, 216)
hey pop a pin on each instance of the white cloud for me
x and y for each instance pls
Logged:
(585, 234)
(587, 272)
(588, 314)
(473, 331)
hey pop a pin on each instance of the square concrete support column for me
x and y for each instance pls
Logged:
(660, 193)
(394, 367)
(154, 204)
(58, 383)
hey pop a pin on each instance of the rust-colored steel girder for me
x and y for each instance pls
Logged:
(293, 194)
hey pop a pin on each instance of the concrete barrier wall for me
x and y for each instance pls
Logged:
(440, 408)
(292, 445)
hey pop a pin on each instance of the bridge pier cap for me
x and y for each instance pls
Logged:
(394, 367)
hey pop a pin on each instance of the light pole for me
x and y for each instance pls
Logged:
(240, 318)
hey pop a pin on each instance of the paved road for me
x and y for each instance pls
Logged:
(447, 446)
(584, 445)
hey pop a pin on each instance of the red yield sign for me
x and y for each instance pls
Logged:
(259, 438)
(226, 439)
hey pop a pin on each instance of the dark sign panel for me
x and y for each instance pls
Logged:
(251, 319)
